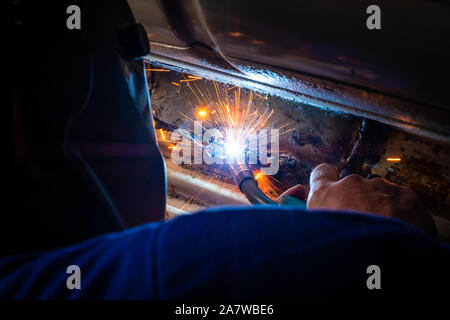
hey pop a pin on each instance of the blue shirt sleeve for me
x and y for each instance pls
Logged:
(251, 252)
(114, 266)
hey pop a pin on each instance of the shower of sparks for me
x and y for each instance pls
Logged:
(237, 120)
(221, 107)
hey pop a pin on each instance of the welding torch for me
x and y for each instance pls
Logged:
(249, 187)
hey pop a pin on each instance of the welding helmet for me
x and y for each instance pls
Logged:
(84, 159)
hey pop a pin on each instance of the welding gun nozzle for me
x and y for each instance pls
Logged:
(248, 185)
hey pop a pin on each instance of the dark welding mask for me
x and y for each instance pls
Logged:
(84, 158)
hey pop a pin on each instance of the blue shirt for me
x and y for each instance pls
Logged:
(248, 252)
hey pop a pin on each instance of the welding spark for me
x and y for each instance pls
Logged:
(236, 34)
(233, 148)
(163, 137)
(237, 120)
(202, 113)
(158, 70)
(394, 159)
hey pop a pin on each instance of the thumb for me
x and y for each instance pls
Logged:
(322, 174)
(300, 192)
(294, 196)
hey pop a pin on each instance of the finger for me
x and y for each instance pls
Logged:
(298, 191)
(323, 173)
(382, 185)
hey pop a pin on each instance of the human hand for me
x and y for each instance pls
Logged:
(375, 196)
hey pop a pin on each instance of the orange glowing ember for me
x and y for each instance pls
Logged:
(158, 70)
(202, 113)
(257, 176)
(236, 34)
(195, 77)
(394, 159)
(162, 134)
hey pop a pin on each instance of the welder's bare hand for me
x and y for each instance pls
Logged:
(375, 196)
